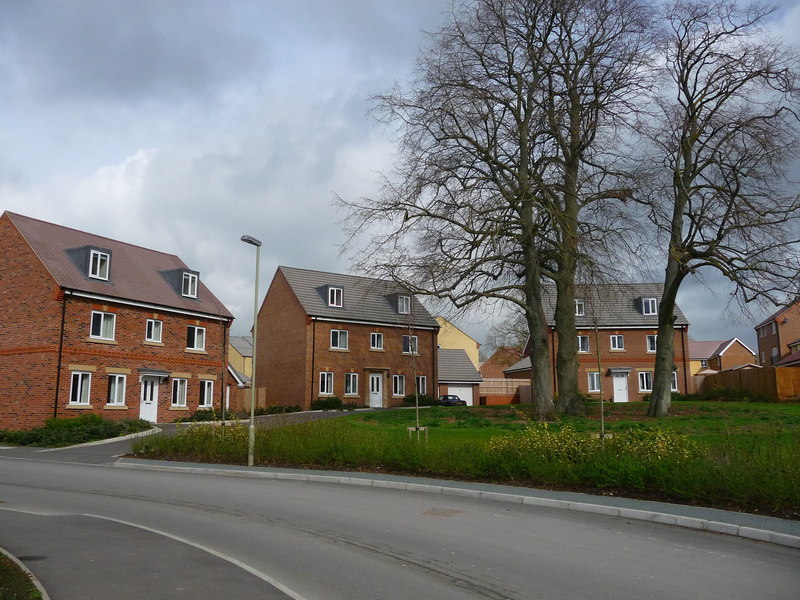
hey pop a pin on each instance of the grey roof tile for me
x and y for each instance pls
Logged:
(136, 273)
(243, 344)
(363, 299)
(456, 367)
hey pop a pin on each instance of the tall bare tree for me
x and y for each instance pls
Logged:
(727, 130)
(500, 155)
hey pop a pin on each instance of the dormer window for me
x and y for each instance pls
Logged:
(189, 287)
(580, 308)
(98, 264)
(404, 305)
(335, 297)
(649, 306)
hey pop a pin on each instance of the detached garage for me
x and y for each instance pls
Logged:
(458, 376)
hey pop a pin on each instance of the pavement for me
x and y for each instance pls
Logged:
(756, 527)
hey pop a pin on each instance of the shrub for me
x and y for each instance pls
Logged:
(327, 403)
(77, 430)
(424, 400)
(206, 414)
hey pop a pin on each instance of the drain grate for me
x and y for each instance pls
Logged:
(441, 512)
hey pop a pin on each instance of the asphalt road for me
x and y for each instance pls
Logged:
(89, 529)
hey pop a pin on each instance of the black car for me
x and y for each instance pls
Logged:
(451, 400)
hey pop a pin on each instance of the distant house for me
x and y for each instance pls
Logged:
(458, 376)
(502, 358)
(95, 325)
(617, 329)
(240, 358)
(367, 341)
(793, 358)
(719, 355)
(778, 333)
(451, 337)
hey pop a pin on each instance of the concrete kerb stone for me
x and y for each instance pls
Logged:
(753, 533)
(36, 583)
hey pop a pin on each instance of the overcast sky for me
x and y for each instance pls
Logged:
(181, 125)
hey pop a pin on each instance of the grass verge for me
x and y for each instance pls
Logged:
(15, 584)
(732, 455)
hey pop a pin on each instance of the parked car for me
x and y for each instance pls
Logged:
(451, 400)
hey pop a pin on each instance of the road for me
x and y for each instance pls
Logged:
(100, 531)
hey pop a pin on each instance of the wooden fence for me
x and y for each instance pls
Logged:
(779, 384)
(505, 391)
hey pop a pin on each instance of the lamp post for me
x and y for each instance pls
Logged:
(251, 441)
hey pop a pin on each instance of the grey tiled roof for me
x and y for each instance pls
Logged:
(703, 350)
(243, 344)
(521, 365)
(363, 299)
(613, 305)
(456, 367)
(136, 274)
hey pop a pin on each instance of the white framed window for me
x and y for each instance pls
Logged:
(774, 327)
(617, 342)
(103, 325)
(649, 306)
(580, 308)
(651, 342)
(206, 393)
(189, 287)
(674, 386)
(704, 363)
(335, 297)
(645, 381)
(351, 384)
(326, 383)
(594, 381)
(79, 388)
(422, 384)
(116, 390)
(99, 263)
(404, 305)
(410, 344)
(398, 385)
(774, 356)
(338, 339)
(179, 392)
(195, 338)
(152, 331)
(583, 343)
(375, 341)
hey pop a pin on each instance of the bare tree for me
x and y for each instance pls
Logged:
(727, 130)
(500, 156)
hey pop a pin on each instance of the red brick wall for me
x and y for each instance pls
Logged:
(283, 352)
(734, 356)
(31, 309)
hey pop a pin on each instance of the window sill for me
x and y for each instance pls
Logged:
(339, 349)
(101, 341)
(79, 406)
(617, 350)
(377, 350)
(186, 408)
(115, 407)
(148, 343)
(194, 351)
(410, 353)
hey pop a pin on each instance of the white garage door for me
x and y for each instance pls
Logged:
(462, 391)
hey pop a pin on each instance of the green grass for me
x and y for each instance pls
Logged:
(15, 583)
(739, 455)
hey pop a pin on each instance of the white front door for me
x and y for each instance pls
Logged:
(620, 387)
(376, 390)
(148, 406)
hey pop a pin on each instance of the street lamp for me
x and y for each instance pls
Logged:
(251, 441)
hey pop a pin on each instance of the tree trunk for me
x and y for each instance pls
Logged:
(569, 400)
(661, 398)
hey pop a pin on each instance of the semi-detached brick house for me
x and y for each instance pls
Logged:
(91, 324)
(779, 335)
(619, 325)
(367, 341)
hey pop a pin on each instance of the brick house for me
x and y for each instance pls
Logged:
(367, 341)
(778, 333)
(719, 355)
(458, 375)
(618, 324)
(92, 324)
